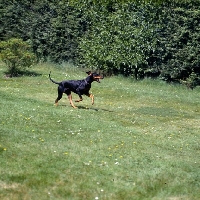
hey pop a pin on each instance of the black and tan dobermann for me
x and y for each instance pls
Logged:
(79, 87)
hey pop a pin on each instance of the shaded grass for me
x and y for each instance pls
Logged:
(139, 141)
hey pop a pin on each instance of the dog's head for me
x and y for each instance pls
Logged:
(95, 76)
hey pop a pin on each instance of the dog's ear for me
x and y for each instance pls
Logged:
(89, 72)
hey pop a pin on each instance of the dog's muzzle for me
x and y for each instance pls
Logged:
(100, 77)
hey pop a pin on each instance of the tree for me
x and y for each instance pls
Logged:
(177, 51)
(119, 39)
(17, 55)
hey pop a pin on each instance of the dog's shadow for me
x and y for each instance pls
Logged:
(95, 109)
(89, 108)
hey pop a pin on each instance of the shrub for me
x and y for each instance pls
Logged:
(16, 54)
(192, 81)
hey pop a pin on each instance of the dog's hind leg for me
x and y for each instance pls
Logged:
(58, 98)
(60, 93)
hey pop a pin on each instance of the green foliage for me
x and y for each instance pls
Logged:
(119, 38)
(52, 26)
(178, 46)
(16, 54)
(66, 29)
(137, 38)
(192, 81)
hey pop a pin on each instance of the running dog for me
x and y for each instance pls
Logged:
(79, 87)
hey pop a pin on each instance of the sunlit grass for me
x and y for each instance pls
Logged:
(140, 140)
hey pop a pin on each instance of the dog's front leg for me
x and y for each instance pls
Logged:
(70, 100)
(92, 97)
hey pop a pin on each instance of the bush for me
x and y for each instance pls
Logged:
(192, 81)
(16, 54)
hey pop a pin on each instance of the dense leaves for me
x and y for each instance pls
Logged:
(121, 40)
(178, 44)
(139, 38)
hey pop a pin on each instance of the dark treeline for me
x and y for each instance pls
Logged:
(138, 38)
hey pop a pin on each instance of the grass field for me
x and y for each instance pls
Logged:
(140, 140)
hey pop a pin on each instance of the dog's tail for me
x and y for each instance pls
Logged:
(52, 79)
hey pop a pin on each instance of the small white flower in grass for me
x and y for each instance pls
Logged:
(96, 197)
(87, 163)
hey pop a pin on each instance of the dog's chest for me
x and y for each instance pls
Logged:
(86, 87)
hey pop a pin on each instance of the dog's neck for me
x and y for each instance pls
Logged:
(89, 80)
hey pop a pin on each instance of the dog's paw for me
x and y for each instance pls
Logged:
(79, 100)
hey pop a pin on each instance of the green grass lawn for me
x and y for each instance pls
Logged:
(140, 140)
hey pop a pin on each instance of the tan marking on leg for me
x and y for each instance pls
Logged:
(79, 100)
(92, 97)
(71, 102)
(56, 102)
